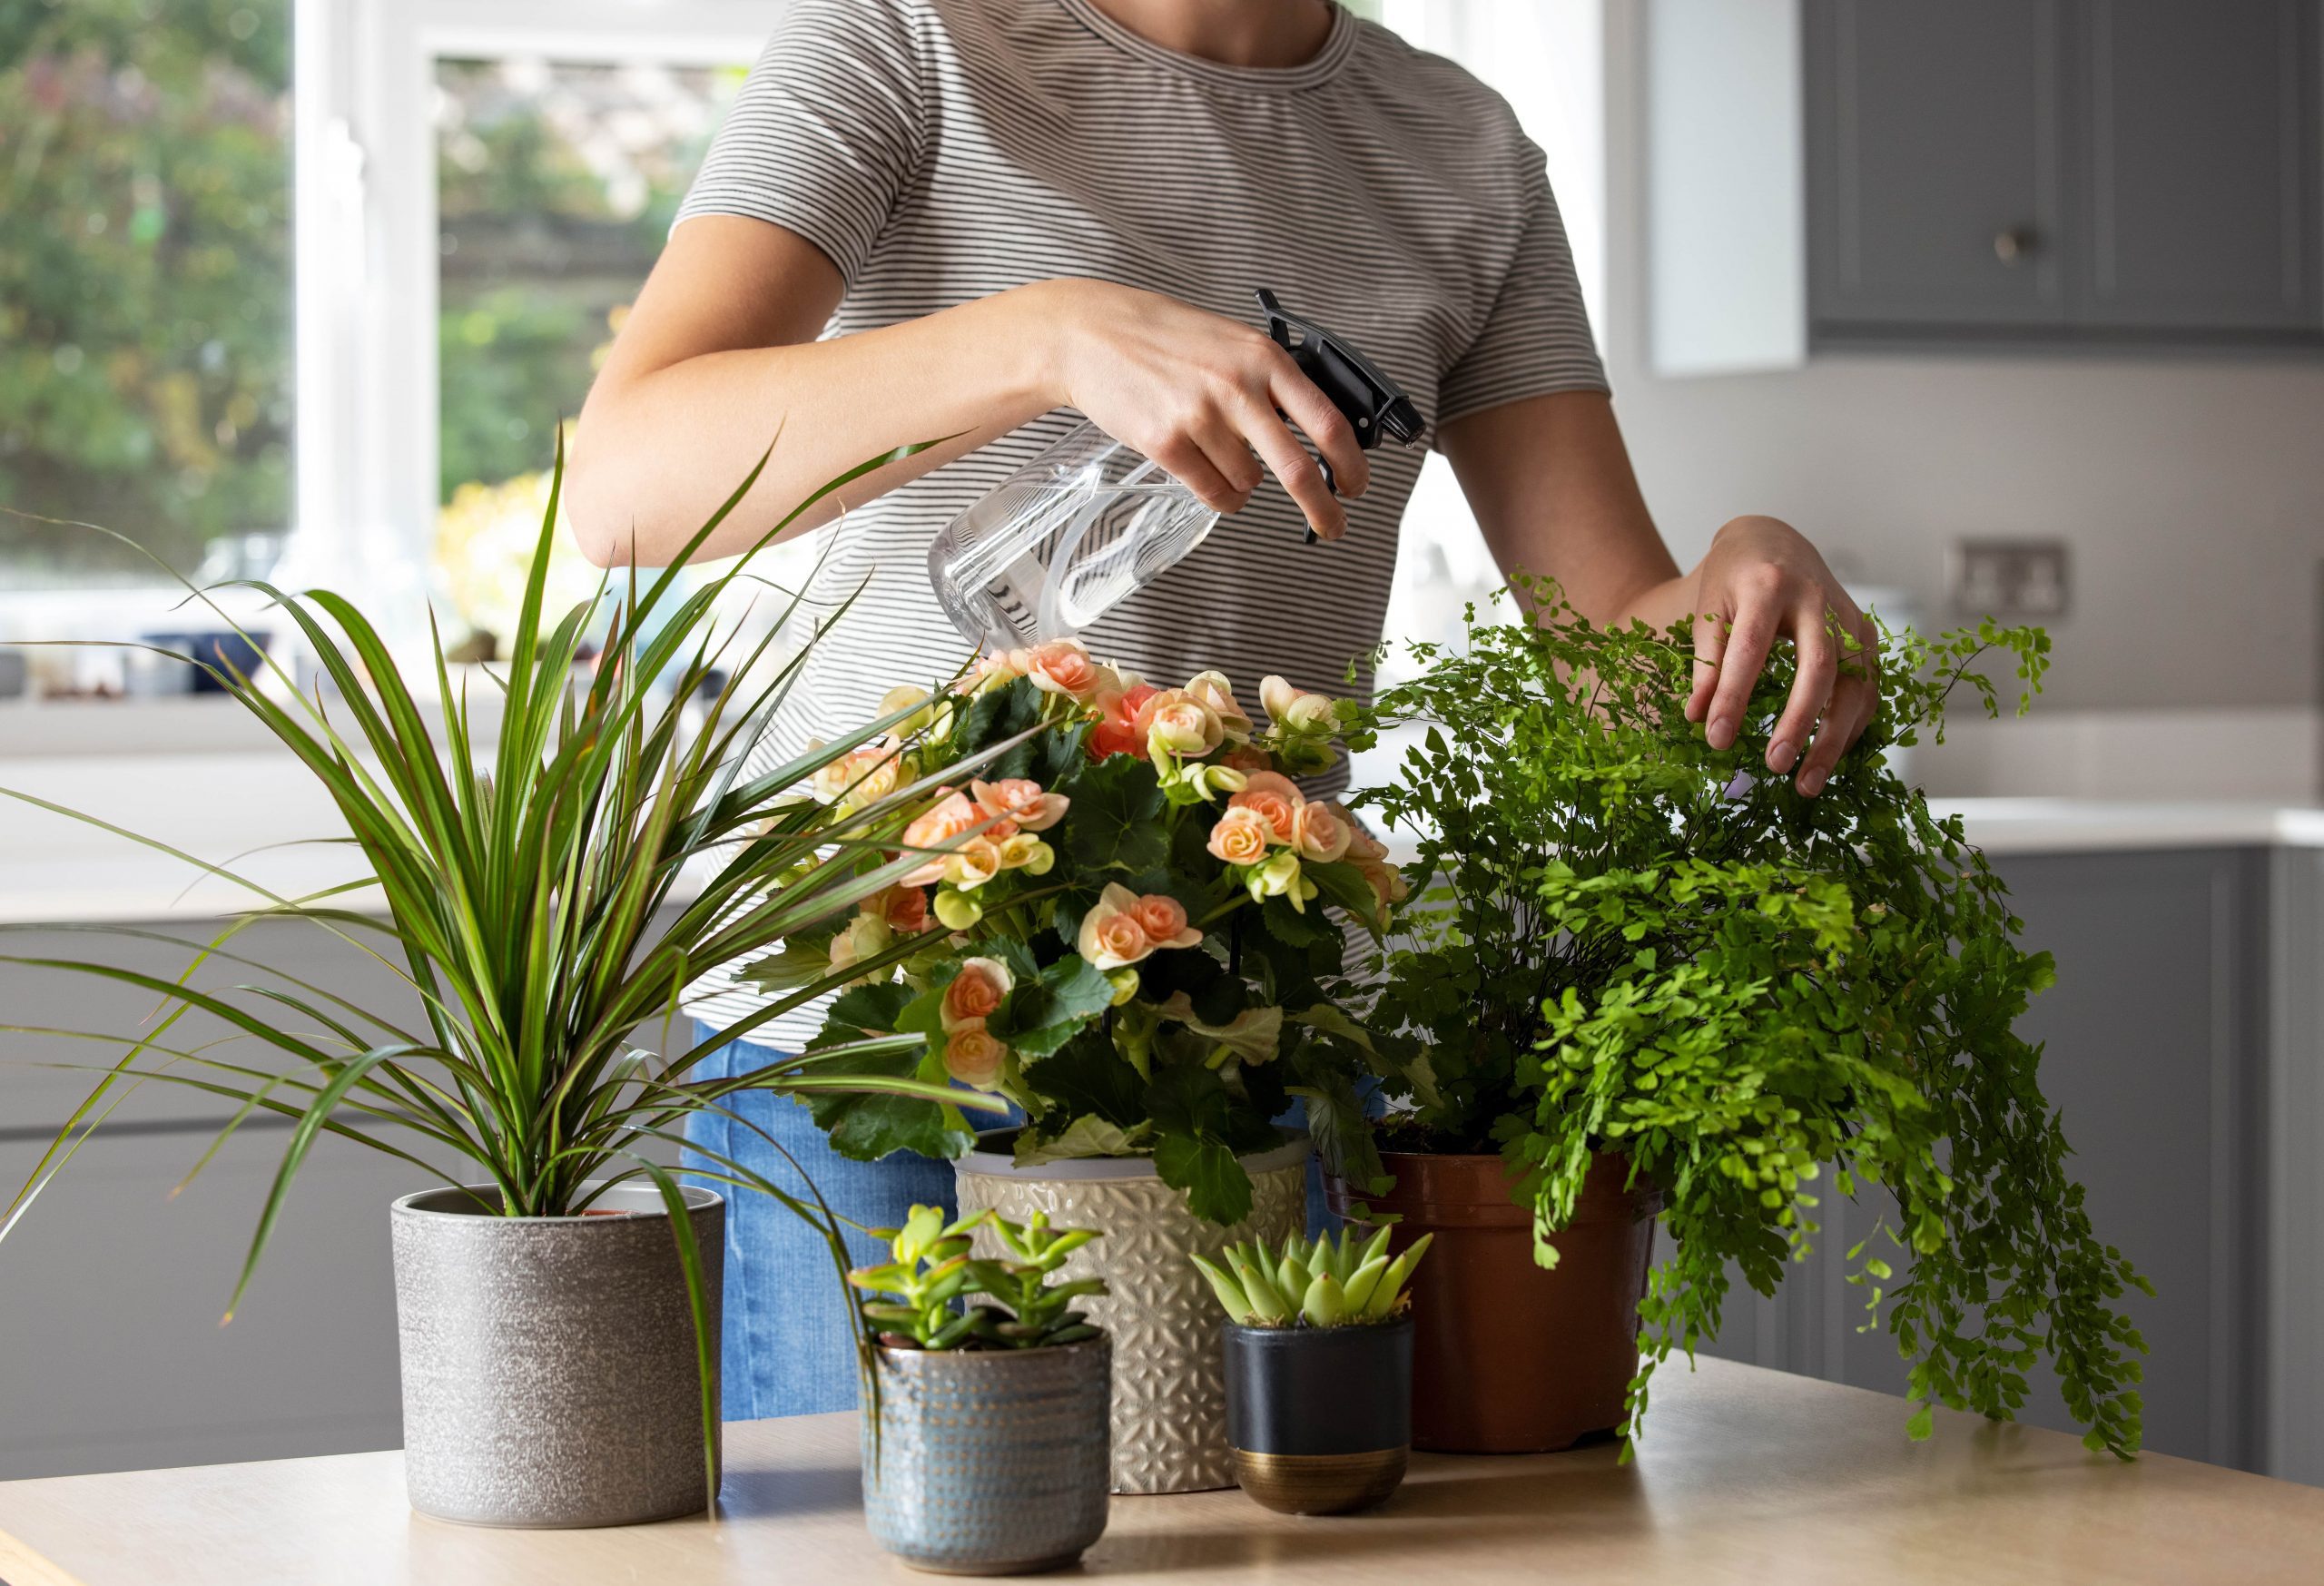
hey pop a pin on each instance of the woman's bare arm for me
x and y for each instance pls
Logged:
(720, 353)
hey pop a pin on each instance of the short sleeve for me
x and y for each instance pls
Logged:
(1536, 338)
(826, 133)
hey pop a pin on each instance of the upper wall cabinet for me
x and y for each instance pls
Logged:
(2039, 170)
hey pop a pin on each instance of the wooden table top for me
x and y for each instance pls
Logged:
(1745, 1474)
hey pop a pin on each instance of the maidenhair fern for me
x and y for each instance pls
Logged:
(1635, 943)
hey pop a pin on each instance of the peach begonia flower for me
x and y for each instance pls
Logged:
(861, 776)
(904, 697)
(1240, 837)
(1281, 877)
(1370, 857)
(1115, 729)
(1164, 920)
(1247, 758)
(905, 909)
(994, 670)
(858, 940)
(1277, 694)
(1276, 799)
(973, 1057)
(1175, 723)
(1017, 803)
(1064, 667)
(1214, 690)
(1297, 711)
(1322, 831)
(974, 863)
(1113, 934)
(940, 828)
(975, 993)
(1029, 853)
(1388, 882)
(1111, 938)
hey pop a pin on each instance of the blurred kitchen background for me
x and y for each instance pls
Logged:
(2017, 307)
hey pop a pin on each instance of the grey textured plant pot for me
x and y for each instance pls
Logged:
(549, 1367)
(1169, 1392)
(990, 1461)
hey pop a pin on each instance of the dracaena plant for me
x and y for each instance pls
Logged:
(1636, 943)
(535, 910)
(921, 1297)
(1325, 1283)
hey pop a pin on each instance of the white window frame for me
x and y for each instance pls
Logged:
(366, 246)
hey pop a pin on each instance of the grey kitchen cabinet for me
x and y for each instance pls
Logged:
(2162, 1055)
(2104, 170)
(112, 1355)
(112, 1287)
(2197, 165)
(2294, 1253)
(1936, 143)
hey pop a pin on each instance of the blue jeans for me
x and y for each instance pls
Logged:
(788, 1346)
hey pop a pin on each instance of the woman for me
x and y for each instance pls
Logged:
(961, 218)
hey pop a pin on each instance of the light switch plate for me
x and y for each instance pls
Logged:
(2008, 577)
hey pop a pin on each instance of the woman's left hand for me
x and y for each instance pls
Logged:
(1762, 581)
(1551, 487)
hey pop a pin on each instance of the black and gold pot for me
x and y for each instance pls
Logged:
(1320, 1419)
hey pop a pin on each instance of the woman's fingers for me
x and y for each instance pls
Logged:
(1299, 398)
(1744, 653)
(1811, 686)
(1280, 449)
(1231, 456)
(1851, 709)
(1190, 464)
(1711, 645)
(1855, 698)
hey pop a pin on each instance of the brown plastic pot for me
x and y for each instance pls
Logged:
(1509, 1357)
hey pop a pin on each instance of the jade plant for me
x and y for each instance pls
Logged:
(1635, 943)
(1326, 1283)
(920, 1298)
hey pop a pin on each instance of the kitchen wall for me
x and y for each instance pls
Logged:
(2190, 487)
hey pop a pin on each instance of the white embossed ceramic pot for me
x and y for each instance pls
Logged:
(550, 1376)
(1170, 1388)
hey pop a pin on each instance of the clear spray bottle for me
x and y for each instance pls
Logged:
(1071, 534)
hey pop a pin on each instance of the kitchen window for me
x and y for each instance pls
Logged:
(555, 182)
(409, 265)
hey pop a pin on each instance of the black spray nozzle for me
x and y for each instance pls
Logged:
(1372, 402)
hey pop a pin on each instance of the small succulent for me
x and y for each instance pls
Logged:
(929, 1284)
(1321, 1285)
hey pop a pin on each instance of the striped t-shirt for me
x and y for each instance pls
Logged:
(939, 150)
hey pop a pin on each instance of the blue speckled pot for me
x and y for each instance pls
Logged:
(991, 1461)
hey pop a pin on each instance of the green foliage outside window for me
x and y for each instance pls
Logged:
(144, 279)
(556, 184)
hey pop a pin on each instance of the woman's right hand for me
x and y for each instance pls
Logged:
(1197, 392)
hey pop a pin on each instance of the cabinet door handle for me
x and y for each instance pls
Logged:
(2015, 245)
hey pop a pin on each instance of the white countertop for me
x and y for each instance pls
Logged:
(2080, 825)
(218, 805)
